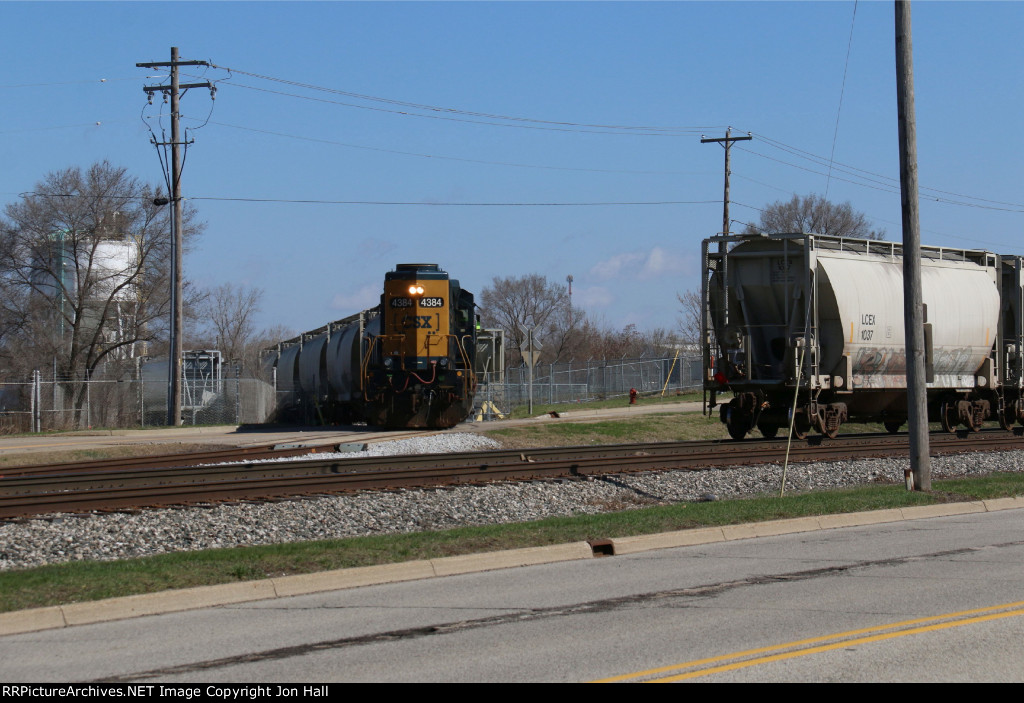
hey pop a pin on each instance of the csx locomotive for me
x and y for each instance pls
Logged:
(406, 363)
(809, 329)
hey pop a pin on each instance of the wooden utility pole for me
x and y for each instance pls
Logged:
(726, 142)
(913, 307)
(174, 355)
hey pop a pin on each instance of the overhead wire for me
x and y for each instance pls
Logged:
(842, 91)
(462, 204)
(874, 177)
(81, 82)
(540, 127)
(857, 175)
(349, 145)
(457, 111)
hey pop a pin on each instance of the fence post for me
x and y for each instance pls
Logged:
(34, 404)
(142, 392)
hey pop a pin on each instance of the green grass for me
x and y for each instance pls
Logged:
(658, 427)
(64, 456)
(521, 411)
(86, 581)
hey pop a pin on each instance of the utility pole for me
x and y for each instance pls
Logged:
(569, 281)
(174, 361)
(723, 247)
(726, 142)
(913, 307)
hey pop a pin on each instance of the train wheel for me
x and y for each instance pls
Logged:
(892, 426)
(736, 431)
(949, 415)
(1006, 420)
(768, 431)
(801, 426)
(737, 424)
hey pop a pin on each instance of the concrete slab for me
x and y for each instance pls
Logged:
(731, 532)
(1004, 503)
(31, 620)
(448, 566)
(167, 602)
(338, 579)
(943, 510)
(873, 517)
(785, 527)
(667, 540)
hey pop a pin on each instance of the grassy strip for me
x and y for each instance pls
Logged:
(84, 581)
(619, 402)
(657, 427)
(67, 456)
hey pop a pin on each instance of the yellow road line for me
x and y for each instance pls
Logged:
(802, 648)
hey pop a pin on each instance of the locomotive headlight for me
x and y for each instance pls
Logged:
(389, 362)
(443, 363)
(415, 290)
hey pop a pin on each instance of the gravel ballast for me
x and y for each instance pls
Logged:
(120, 535)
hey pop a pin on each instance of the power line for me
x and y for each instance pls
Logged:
(97, 123)
(842, 91)
(81, 82)
(454, 158)
(581, 130)
(470, 113)
(854, 171)
(464, 204)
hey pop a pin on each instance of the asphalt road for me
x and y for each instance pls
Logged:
(887, 602)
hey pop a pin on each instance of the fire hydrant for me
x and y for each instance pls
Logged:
(632, 396)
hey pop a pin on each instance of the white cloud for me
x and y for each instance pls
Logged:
(660, 262)
(639, 264)
(592, 297)
(614, 267)
(352, 302)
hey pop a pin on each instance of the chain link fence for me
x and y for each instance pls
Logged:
(139, 398)
(40, 404)
(580, 382)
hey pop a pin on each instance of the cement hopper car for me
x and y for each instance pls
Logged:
(809, 328)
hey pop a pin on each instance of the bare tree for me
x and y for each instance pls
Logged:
(86, 256)
(519, 304)
(815, 215)
(689, 316)
(227, 315)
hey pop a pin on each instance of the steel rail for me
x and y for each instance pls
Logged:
(81, 491)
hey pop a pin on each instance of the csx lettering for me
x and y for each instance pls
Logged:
(419, 322)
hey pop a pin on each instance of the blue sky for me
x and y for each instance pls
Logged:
(775, 69)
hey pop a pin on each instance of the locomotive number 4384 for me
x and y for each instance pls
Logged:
(423, 302)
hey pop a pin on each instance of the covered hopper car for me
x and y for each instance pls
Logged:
(406, 363)
(809, 329)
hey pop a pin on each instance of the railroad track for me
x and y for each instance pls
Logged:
(84, 488)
